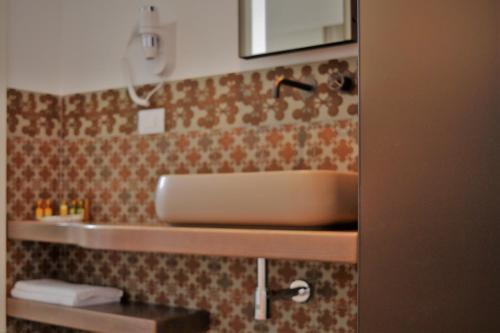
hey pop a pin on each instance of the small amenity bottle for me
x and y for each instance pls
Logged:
(81, 208)
(48, 208)
(39, 209)
(63, 209)
(86, 211)
(74, 208)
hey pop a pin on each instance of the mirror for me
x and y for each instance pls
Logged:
(277, 26)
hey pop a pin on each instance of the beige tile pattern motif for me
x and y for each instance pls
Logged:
(237, 100)
(33, 172)
(85, 145)
(32, 260)
(119, 173)
(32, 114)
(223, 286)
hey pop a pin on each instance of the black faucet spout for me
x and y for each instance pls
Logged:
(291, 83)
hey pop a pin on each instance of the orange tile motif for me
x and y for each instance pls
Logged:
(86, 145)
(119, 173)
(223, 286)
(238, 100)
(31, 114)
(33, 172)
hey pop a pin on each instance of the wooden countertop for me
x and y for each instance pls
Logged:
(113, 318)
(321, 245)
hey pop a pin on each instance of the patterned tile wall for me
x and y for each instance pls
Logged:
(228, 123)
(85, 145)
(34, 156)
(33, 115)
(32, 260)
(119, 173)
(238, 100)
(223, 286)
(33, 150)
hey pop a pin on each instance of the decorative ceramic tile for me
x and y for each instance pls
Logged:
(223, 286)
(85, 145)
(119, 173)
(31, 260)
(216, 103)
(33, 172)
(33, 115)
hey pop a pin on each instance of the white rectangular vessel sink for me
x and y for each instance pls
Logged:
(278, 198)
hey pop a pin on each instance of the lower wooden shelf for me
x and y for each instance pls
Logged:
(321, 245)
(113, 318)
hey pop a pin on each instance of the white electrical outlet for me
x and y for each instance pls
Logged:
(151, 121)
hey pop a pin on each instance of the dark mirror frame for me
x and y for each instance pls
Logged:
(241, 42)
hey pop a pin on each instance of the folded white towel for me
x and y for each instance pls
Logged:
(64, 293)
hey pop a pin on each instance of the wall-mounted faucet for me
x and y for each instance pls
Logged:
(341, 82)
(307, 88)
(337, 82)
(299, 292)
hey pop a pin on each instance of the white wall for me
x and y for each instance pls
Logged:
(34, 45)
(94, 34)
(3, 154)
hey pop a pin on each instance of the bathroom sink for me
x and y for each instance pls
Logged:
(278, 198)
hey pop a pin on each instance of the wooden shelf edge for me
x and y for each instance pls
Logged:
(330, 246)
(112, 318)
